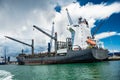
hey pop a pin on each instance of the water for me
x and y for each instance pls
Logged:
(80, 71)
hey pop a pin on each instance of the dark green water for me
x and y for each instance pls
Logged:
(80, 71)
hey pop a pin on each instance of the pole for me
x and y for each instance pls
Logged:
(5, 50)
(56, 42)
(32, 46)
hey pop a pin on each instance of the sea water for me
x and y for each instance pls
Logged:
(108, 70)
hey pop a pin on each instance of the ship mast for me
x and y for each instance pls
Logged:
(52, 32)
(30, 45)
(55, 37)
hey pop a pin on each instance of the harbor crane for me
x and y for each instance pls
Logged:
(30, 45)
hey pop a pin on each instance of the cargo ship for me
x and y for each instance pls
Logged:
(81, 46)
(86, 55)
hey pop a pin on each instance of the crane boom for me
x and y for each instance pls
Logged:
(69, 18)
(55, 37)
(23, 43)
(18, 41)
(97, 28)
(44, 32)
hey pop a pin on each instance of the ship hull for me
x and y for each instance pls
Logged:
(2, 63)
(87, 55)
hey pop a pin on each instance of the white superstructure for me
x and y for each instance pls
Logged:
(80, 33)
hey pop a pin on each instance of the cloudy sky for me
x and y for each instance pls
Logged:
(18, 16)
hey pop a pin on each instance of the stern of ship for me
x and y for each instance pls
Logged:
(99, 53)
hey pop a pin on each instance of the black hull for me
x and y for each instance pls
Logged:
(88, 55)
(2, 63)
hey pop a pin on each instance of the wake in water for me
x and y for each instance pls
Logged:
(5, 75)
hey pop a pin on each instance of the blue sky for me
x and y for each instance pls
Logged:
(112, 24)
(83, 2)
(18, 16)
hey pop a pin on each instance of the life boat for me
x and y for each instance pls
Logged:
(90, 41)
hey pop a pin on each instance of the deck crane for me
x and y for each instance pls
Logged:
(69, 18)
(90, 40)
(69, 28)
(54, 38)
(30, 45)
(97, 28)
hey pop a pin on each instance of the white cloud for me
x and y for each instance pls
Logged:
(105, 35)
(118, 34)
(91, 12)
(17, 20)
(112, 51)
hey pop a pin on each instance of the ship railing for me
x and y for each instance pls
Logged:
(61, 45)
